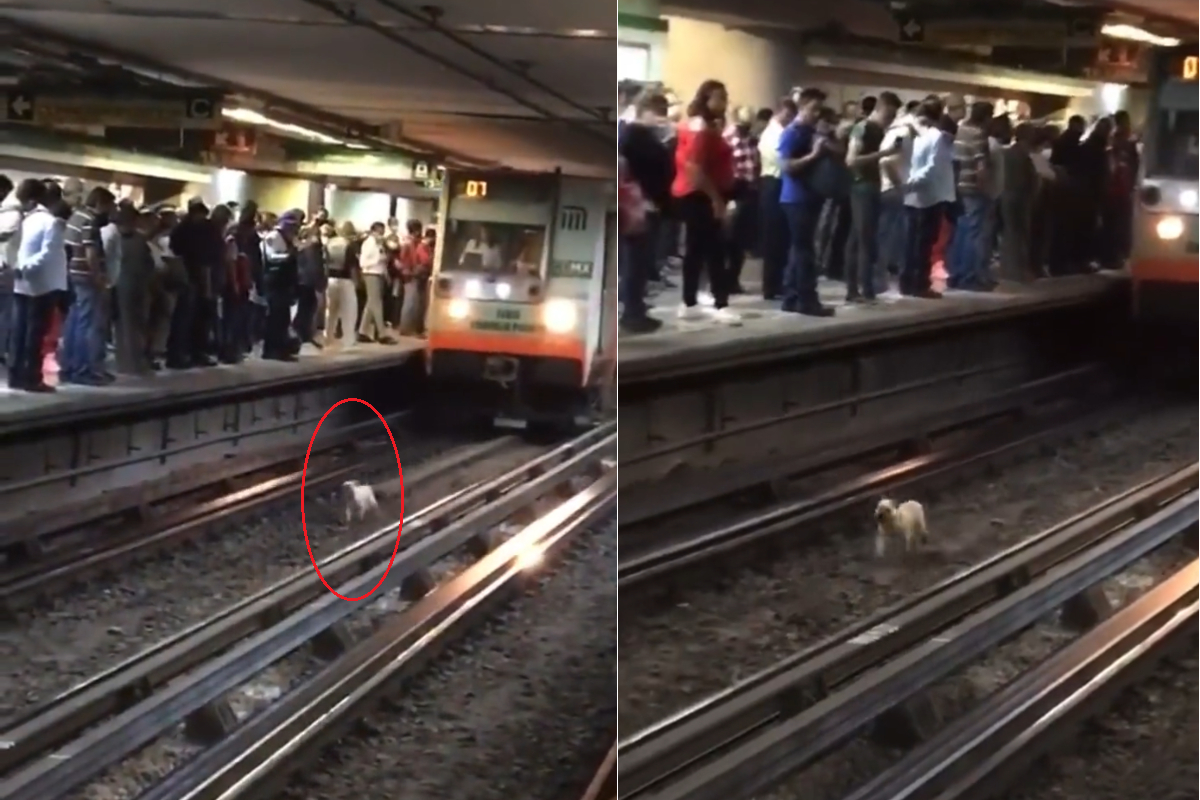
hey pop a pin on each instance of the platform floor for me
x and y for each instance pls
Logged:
(764, 324)
(69, 400)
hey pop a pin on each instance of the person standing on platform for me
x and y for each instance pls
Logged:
(1116, 213)
(281, 260)
(1068, 246)
(773, 237)
(192, 242)
(341, 298)
(799, 151)
(1017, 201)
(700, 193)
(10, 243)
(647, 163)
(969, 251)
(373, 263)
(310, 283)
(739, 228)
(39, 275)
(132, 290)
(250, 257)
(110, 240)
(82, 348)
(928, 192)
(416, 264)
(863, 158)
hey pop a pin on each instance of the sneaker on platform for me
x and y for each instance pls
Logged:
(727, 316)
(688, 313)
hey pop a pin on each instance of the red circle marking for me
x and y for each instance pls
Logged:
(304, 521)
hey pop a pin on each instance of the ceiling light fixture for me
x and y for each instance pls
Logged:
(1132, 33)
(248, 117)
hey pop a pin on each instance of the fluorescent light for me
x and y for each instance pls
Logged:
(248, 117)
(1133, 33)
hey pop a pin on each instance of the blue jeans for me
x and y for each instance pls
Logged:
(970, 248)
(800, 275)
(81, 349)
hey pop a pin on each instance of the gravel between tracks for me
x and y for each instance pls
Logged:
(862, 758)
(51, 647)
(521, 709)
(715, 635)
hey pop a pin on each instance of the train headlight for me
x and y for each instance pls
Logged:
(503, 291)
(1188, 199)
(473, 289)
(458, 309)
(559, 316)
(1169, 228)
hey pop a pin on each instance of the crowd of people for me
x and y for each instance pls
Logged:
(83, 275)
(878, 190)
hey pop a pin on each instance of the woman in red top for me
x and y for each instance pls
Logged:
(703, 182)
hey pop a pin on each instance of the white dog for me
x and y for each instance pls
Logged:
(360, 500)
(906, 519)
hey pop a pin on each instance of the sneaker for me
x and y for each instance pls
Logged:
(690, 313)
(727, 316)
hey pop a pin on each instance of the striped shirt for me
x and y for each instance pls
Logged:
(746, 163)
(970, 158)
(83, 234)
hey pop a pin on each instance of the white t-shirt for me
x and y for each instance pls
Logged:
(1042, 165)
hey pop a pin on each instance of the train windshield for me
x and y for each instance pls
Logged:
(1174, 151)
(494, 248)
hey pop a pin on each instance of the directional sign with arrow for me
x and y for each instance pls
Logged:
(19, 107)
(912, 28)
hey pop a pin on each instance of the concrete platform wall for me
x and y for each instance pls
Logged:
(783, 409)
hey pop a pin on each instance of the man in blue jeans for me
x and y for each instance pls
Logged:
(81, 349)
(968, 252)
(799, 150)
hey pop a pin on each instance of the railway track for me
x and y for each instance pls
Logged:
(745, 740)
(648, 555)
(57, 557)
(63, 745)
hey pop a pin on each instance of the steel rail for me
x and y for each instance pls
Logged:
(1016, 410)
(21, 587)
(983, 753)
(603, 785)
(679, 742)
(23, 531)
(257, 758)
(780, 750)
(654, 562)
(258, 631)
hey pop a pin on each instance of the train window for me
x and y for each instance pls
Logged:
(495, 248)
(1174, 154)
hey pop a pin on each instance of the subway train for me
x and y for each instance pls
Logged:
(522, 321)
(1164, 261)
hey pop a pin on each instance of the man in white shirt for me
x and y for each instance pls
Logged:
(928, 192)
(893, 171)
(774, 232)
(373, 264)
(40, 272)
(10, 239)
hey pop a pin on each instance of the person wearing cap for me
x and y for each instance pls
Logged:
(281, 265)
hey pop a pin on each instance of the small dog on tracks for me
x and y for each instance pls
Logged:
(360, 501)
(906, 520)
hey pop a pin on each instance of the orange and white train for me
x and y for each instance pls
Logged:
(523, 309)
(1164, 264)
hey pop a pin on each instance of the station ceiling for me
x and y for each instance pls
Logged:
(524, 84)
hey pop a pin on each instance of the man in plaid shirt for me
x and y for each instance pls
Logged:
(747, 166)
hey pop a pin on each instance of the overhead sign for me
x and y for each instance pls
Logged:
(185, 110)
(1004, 31)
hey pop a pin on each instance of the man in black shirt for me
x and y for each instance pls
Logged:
(651, 166)
(862, 251)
